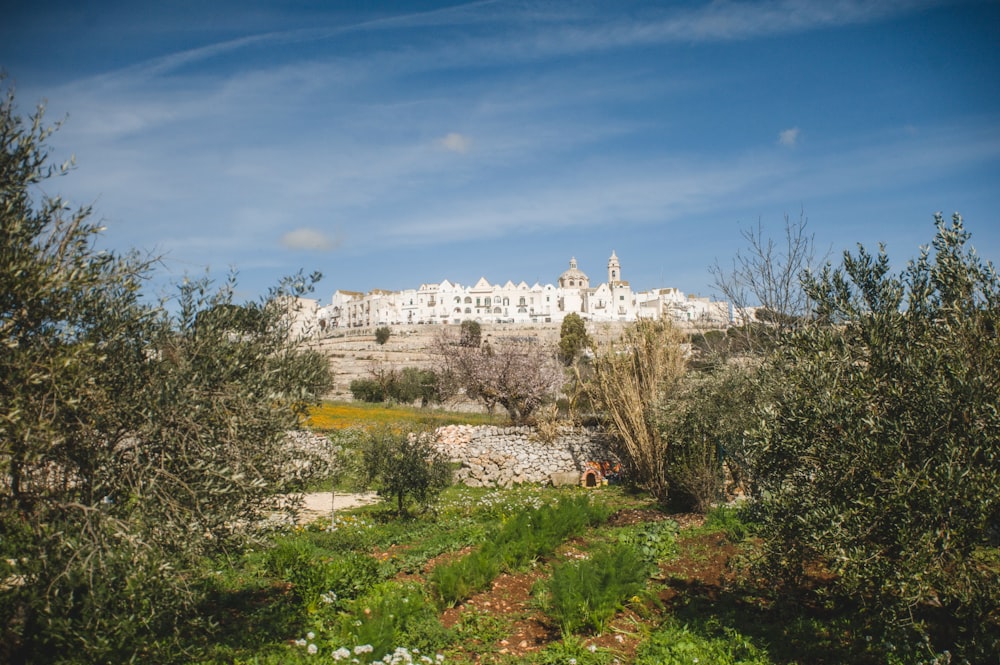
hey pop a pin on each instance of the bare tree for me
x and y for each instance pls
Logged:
(764, 284)
(519, 374)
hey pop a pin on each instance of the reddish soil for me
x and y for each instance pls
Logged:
(701, 561)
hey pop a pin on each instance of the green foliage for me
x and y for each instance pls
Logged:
(470, 334)
(653, 541)
(524, 537)
(389, 615)
(573, 338)
(728, 519)
(404, 466)
(368, 390)
(319, 578)
(382, 335)
(133, 441)
(586, 594)
(572, 650)
(403, 387)
(706, 421)
(880, 453)
(676, 644)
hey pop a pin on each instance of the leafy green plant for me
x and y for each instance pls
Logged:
(573, 338)
(403, 466)
(135, 439)
(878, 455)
(321, 580)
(676, 644)
(571, 650)
(586, 594)
(653, 541)
(525, 537)
(729, 519)
(390, 615)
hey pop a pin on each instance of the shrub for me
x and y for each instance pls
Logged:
(391, 614)
(706, 421)
(653, 541)
(573, 338)
(382, 335)
(630, 382)
(134, 440)
(586, 594)
(880, 454)
(367, 390)
(470, 334)
(676, 644)
(404, 466)
(318, 578)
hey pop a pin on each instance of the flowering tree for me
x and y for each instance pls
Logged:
(519, 374)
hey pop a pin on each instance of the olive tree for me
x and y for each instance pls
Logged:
(879, 452)
(403, 466)
(135, 439)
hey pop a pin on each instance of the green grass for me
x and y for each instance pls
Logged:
(342, 587)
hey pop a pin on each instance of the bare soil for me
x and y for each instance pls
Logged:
(702, 562)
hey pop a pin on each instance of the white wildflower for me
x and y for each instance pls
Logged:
(312, 648)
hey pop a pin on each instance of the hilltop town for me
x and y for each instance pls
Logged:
(451, 303)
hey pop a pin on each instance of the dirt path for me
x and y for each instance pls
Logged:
(318, 504)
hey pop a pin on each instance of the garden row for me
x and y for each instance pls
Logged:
(347, 591)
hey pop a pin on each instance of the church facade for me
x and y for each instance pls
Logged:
(452, 303)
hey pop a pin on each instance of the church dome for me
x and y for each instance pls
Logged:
(574, 278)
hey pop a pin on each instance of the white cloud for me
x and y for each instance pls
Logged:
(308, 239)
(456, 142)
(789, 137)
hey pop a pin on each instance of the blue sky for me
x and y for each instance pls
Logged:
(387, 144)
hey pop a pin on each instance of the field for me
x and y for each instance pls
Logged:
(526, 575)
(336, 415)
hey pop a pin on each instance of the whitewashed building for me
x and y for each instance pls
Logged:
(451, 303)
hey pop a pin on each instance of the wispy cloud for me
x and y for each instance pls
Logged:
(788, 137)
(308, 239)
(454, 142)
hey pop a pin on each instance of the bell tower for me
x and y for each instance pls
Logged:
(614, 270)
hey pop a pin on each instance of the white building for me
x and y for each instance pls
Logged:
(447, 303)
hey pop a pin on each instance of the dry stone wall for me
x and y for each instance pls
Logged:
(503, 456)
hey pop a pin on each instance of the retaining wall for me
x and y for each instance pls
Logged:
(504, 456)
